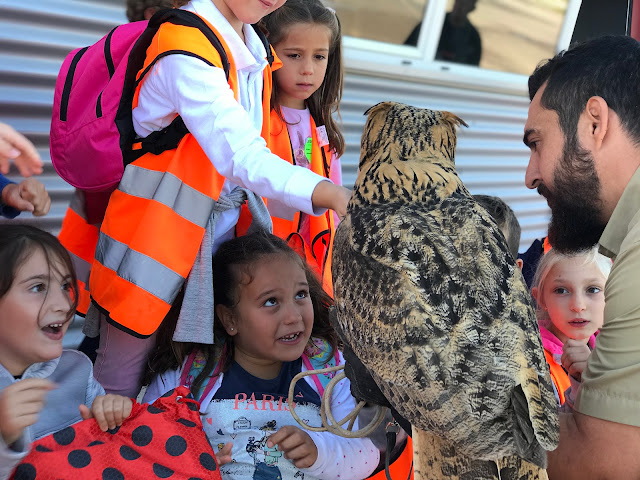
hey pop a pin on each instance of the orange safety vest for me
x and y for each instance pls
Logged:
(558, 375)
(156, 218)
(321, 228)
(401, 468)
(80, 238)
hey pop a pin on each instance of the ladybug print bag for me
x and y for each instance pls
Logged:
(162, 440)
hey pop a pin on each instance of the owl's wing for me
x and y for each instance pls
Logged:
(437, 310)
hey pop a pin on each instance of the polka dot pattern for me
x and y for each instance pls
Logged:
(176, 446)
(79, 458)
(164, 440)
(25, 471)
(208, 462)
(161, 471)
(112, 474)
(154, 410)
(128, 453)
(142, 436)
(65, 437)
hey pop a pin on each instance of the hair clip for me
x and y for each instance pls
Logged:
(331, 10)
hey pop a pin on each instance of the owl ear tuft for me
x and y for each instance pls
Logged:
(453, 119)
(378, 107)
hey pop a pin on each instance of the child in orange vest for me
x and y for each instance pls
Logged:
(172, 210)
(569, 291)
(307, 89)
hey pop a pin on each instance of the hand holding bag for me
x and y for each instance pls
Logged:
(162, 440)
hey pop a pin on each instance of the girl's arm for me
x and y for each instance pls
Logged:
(338, 457)
(201, 95)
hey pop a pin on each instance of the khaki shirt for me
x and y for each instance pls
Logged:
(610, 387)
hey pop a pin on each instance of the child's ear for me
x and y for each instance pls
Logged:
(520, 263)
(535, 291)
(227, 318)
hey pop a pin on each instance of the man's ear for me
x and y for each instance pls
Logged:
(227, 318)
(594, 123)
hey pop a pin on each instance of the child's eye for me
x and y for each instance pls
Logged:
(560, 290)
(66, 286)
(293, 55)
(594, 290)
(38, 287)
(320, 57)
(302, 294)
(271, 302)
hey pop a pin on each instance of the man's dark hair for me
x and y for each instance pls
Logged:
(608, 67)
(505, 218)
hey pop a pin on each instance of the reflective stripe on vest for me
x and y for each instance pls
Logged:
(79, 237)
(558, 375)
(321, 228)
(156, 219)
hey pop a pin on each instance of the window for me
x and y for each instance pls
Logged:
(385, 21)
(510, 36)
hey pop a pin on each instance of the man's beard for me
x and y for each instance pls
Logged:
(576, 209)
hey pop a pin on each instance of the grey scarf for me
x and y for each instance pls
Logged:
(195, 321)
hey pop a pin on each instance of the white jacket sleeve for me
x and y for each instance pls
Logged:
(11, 457)
(200, 94)
(161, 384)
(339, 457)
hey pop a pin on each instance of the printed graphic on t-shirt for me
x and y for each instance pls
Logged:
(246, 410)
(302, 150)
(248, 420)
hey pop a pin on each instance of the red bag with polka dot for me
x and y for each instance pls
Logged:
(163, 440)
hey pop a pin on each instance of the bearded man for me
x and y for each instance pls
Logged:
(583, 130)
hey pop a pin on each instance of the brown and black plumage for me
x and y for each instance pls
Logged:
(436, 309)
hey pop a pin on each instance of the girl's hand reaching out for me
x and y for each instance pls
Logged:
(108, 410)
(575, 354)
(296, 445)
(331, 196)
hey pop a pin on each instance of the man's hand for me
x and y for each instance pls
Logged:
(27, 196)
(108, 410)
(20, 405)
(296, 445)
(14, 145)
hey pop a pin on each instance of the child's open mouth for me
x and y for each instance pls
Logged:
(290, 338)
(54, 331)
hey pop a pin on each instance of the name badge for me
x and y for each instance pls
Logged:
(321, 133)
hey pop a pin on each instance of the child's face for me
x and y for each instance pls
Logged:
(304, 52)
(33, 314)
(238, 12)
(573, 295)
(273, 319)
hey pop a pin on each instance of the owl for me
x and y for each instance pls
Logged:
(432, 303)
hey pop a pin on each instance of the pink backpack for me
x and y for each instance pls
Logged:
(92, 127)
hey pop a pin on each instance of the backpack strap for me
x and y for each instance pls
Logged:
(265, 42)
(315, 358)
(169, 137)
(194, 365)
